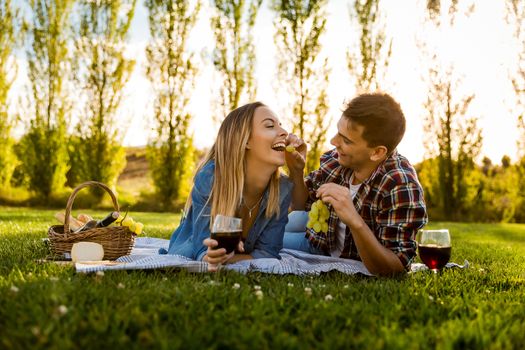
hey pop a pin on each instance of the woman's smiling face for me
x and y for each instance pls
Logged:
(267, 140)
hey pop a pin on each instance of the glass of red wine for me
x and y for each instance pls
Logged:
(227, 230)
(434, 248)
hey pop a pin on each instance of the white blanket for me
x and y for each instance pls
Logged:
(145, 256)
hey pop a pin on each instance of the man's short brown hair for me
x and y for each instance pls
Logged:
(382, 119)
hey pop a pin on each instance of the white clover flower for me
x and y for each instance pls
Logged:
(431, 298)
(62, 309)
(308, 290)
(322, 285)
(120, 285)
(259, 294)
(35, 330)
(257, 287)
(290, 284)
(346, 286)
(328, 297)
(236, 286)
(53, 279)
(14, 289)
(164, 278)
(487, 291)
(100, 273)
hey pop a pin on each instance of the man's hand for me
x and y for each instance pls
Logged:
(341, 200)
(296, 160)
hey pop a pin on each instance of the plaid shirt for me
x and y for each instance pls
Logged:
(390, 202)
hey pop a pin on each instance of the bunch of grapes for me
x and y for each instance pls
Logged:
(135, 227)
(318, 216)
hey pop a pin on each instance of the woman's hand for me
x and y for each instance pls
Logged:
(215, 257)
(296, 160)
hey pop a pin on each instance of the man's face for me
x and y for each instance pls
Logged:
(353, 150)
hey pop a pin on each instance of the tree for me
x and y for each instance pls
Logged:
(370, 62)
(516, 17)
(43, 148)
(103, 71)
(300, 26)
(9, 38)
(452, 135)
(234, 53)
(172, 75)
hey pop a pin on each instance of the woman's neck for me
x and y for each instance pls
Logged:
(256, 180)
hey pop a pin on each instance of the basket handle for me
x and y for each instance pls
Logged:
(71, 199)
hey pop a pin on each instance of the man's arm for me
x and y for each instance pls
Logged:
(296, 161)
(377, 259)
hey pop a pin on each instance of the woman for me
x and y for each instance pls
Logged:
(239, 177)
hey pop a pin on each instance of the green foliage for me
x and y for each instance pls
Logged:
(42, 149)
(96, 154)
(44, 158)
(234, 53)
(371, 61)
(490, 193)
(172, 75)
(476, 308)
(9, 37)
(300, 26)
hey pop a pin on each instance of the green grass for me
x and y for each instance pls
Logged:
(50, 306)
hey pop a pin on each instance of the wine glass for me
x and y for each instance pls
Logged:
(227, 230)
(434, 248)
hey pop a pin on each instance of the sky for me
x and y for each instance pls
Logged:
(480, 47)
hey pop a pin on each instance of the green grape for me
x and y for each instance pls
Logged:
(309, 224)
(325, 227)
(314, 211)
(317, 227)
(312, 215)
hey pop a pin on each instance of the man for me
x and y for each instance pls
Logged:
(374, 196)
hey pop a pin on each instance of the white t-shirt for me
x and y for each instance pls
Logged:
(340, 232)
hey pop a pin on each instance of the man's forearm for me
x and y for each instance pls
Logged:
(299, 193)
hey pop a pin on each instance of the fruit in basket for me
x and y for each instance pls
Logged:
(135, 227)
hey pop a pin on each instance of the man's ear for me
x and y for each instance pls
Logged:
(379, 153)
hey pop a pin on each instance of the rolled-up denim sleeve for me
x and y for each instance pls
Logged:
(201, 210)
(270, 242)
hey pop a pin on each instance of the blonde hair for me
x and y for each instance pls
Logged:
(229, 152)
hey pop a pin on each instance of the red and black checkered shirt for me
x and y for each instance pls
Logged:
(390, 202)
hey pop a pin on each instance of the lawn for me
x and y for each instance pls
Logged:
(45, 305)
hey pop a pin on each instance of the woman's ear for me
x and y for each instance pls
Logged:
(247, 145)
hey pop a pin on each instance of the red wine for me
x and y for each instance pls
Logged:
(434, 256)
(227, 240)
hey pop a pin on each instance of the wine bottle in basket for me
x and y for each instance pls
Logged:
(108, 220)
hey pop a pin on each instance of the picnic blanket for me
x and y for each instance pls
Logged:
(145, 256)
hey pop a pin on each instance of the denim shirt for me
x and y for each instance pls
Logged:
(265, 238)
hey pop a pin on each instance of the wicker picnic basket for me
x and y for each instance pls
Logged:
(116, 240)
